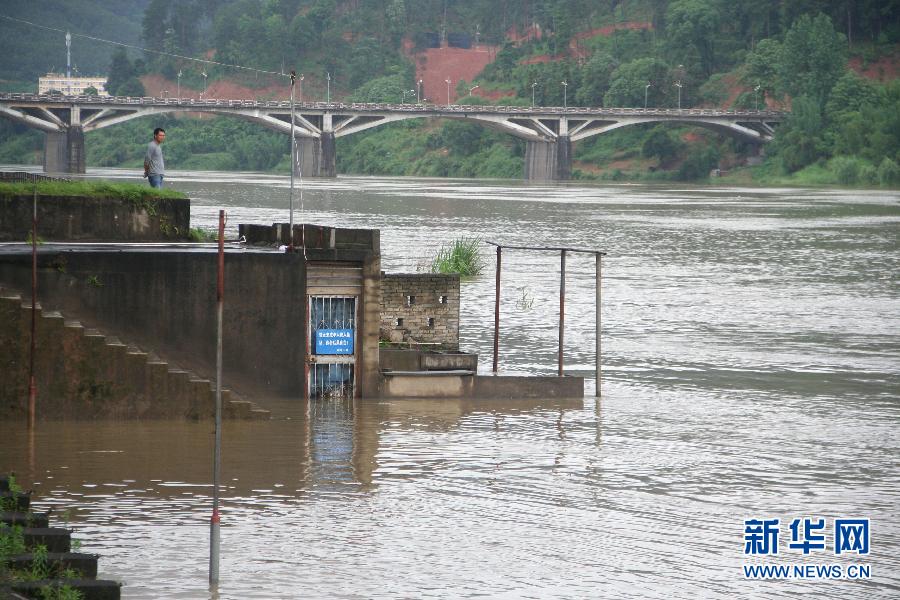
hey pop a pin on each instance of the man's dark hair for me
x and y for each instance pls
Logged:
(157, 130)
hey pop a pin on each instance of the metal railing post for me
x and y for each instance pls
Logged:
(32, 387)
(497, 313)
(562, 306)
(597, 324)
(217, 459)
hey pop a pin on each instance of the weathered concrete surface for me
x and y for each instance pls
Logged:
(64, 151)
(424, 384)
(84, 564)
(395, 359)
(465, 384)
(323, 246)
(316, 157)
(549, 161)
(165, 299)
(87, 219)
(512, 387)
(90, 589)
(82, 374)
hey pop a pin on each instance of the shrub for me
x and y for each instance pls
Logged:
(888, 172)
(846, 169)
(699, 162)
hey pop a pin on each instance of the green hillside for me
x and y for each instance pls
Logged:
(27, 52)
(721, 53)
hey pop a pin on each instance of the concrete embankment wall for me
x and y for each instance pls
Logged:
(89, 219)
(83, 374)
(165, 300)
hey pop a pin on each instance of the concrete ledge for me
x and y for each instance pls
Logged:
(511, 386)
(451, 373)
(427, 384)
(85, 218)
(466, 384)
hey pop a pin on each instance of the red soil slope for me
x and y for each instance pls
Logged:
(156, 84)
(435, 65)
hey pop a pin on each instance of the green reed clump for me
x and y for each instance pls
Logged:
(459, 256)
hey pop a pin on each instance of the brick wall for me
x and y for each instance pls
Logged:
(420, 308)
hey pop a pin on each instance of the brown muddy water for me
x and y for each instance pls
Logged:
(752, 356)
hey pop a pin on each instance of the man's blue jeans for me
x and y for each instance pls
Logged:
(155, 180)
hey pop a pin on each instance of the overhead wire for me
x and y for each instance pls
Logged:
(141, 48)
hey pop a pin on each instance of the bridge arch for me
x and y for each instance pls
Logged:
(548, 131)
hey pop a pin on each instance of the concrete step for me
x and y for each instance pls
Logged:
(55, 538)
(151, 376)
(57, 562)
(90, 589)
(15, 501)
(25, 519)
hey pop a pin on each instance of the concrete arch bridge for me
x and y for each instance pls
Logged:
(549, 132)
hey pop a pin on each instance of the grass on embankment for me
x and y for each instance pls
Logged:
(89, 189)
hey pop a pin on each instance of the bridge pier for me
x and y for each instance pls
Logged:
(316, 156)
(64, 151)
(549, 161)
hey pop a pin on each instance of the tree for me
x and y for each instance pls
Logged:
(120, 71)
(798, 142)
(813, 58)
(629, 83)
(660, 144)
(131, 87)
(762, 65)
(691, 26)
(595, 79)
(850, 93)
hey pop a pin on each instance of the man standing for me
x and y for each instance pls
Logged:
(154, 168)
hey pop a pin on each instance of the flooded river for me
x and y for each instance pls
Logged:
(751, 352)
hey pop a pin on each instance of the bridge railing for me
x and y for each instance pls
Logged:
(388, 107)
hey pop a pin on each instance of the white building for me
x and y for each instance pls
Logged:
(70, 86)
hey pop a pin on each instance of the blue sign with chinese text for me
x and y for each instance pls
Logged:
(334, 341)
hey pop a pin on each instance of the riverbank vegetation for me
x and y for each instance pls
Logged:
(89, 189)
(832, 64)
(461, 256)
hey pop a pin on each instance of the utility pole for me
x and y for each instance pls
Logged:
(69, 62)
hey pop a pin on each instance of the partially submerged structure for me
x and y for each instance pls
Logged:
(319, 321)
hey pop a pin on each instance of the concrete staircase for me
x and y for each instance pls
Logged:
(82, 373)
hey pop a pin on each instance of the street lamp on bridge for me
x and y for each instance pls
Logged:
(328, 87)
(679, 86)
(474, 87)
(179, 84)
(646, 89)
(419, 92)
(447, 81)
(533, 85)
(203, 73)
(565, 85)
(756, 94)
